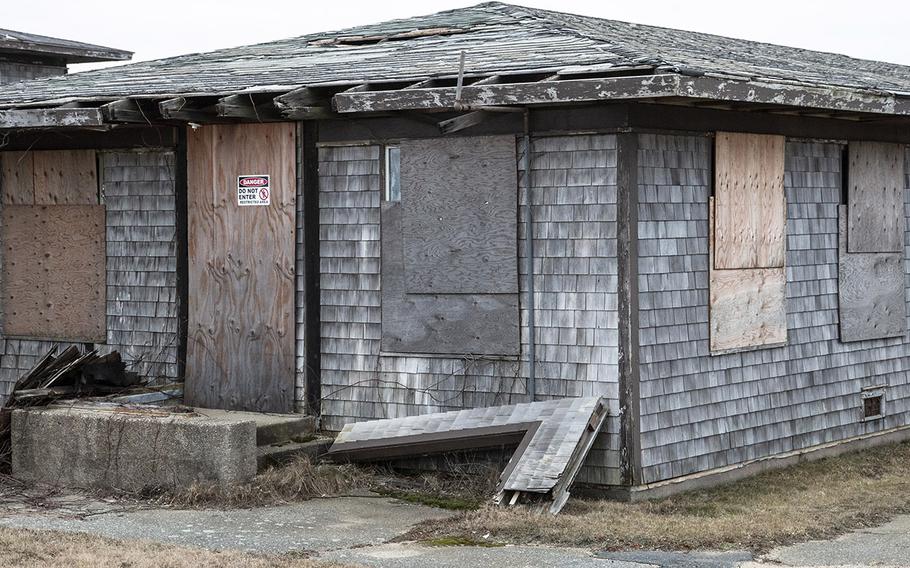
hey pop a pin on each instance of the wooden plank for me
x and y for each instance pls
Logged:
(439, 323)
(876, 197)
(870, 291)
(750, 218)
(459, 223)
(66, 177)
(50, 118)
(241, 269)
(54, 272)
(747, 306)
(17, 178)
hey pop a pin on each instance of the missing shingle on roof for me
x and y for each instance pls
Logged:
(373, 39)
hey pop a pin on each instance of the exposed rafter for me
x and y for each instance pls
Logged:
(248, 107)
(186, 110)
(130, 111)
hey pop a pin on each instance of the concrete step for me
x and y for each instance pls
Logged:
(270, 428)
(282, 453)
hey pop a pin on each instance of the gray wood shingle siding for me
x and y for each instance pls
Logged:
(138, 189)
(575, 281)
(700, 411)
(15, 71)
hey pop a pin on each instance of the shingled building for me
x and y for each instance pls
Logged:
(26, 56)
(480, 207)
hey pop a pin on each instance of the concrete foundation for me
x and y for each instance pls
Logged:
(128, 449)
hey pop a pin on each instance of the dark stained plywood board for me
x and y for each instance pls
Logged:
(459, 222)
(747, 307)
(66, 177)
(240, 349)
(54, 272)
(750, 221)
(876, 197)
(870, 291)
(483, 324)
(17, 178)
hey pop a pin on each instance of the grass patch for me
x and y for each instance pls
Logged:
(52, 549)
(298, 480)
(811, 500)
(452, 503)
(460, 541)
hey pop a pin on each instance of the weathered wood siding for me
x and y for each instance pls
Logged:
(141, 307)
(15, 71)
(701, 411)
(575, 281)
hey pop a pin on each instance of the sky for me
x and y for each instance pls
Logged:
(172, 27)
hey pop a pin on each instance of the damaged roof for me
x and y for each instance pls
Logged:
(21, 43)
(496, 38)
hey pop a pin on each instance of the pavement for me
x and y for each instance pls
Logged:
(359, 529)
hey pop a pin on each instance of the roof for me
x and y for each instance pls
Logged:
(13, 42)
(496, 38)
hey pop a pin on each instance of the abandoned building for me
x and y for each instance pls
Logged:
(481, 207)
(26, 56)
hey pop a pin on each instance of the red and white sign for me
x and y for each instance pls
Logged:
(254, 190)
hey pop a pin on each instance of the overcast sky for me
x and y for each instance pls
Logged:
(171, 27)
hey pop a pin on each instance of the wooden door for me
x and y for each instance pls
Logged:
(240, 345)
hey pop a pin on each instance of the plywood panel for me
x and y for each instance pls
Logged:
(750, 225)
(66, 177)
(17, 178)
(54, 272)
(439, 323)
(876, 197)
(459, 197)
(240, 353)
(870, 291)
(747, 307)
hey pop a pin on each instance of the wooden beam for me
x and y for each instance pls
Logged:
(51, 118)
(183, 109)
(463, 121)
(625, 88)
(129, 111)
(305, 103)
(246, 107)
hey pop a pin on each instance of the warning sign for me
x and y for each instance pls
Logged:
(254, 190)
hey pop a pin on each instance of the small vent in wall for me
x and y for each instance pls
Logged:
(873, 403)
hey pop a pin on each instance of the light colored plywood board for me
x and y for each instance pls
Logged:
(66, 177)
(747, 307)
(750, 221)
(870, 291)
(17, 178)
(876, 220)
(459, 199)
(439, 323)
(54, 272)
(241, 346)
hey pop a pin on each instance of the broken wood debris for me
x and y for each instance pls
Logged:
(69, 374)
(553, 439)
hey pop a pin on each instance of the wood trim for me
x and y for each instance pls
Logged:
(627, 253)
(51, 118)
(308, 134)
(182, 246)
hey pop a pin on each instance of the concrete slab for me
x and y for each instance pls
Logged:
(130, 449)
(887, 545)
(270, 428)
(664, 559)
(319, 525)
(410, 555)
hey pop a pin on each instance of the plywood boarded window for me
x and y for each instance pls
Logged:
(751, 217)
(875, 197)
(747, 244)
(449, 249)
(53, 235)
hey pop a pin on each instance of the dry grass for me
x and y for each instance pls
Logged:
(812, 500)
(299, 480)
(49, 549)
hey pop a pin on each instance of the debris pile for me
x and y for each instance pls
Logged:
(71, 374)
